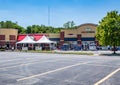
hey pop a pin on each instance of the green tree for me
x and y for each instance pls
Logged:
(42, 29)
(72, 24)
(108, 30)
(2, 25)
(10, 24)
(69, 24)
(28, 30)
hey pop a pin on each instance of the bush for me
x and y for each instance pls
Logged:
(2, 49)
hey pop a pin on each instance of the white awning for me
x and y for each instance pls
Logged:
(44, 39)
(27, 39)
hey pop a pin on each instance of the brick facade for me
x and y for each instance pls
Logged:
(8, 37)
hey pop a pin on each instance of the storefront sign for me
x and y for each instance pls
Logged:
(88, 32)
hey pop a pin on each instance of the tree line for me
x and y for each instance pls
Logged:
(36, 28)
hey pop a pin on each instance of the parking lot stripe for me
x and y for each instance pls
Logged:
(107, 77)
(103, 65)
(9, 60)
(23, 64)
(52, 71)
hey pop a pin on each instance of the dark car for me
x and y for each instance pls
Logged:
(114, 49)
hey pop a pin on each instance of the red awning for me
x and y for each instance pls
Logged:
(37, 37)
(21, 37)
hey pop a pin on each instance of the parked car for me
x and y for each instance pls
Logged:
(64, 47)
(114, 49)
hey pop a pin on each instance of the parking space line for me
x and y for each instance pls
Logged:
(9, 60)
(107, 77)
(52, 71)
(23, 64)
(104, 65)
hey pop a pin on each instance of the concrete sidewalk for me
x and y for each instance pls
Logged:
(99, 52)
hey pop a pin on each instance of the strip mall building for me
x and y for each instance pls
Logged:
(84, 34)
(8, 37)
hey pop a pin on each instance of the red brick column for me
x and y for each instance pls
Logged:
(97, 42)
(62, 38)
(79, 39)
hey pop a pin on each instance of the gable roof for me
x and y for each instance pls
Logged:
(44, 39)
(35, 36)
(27, 39)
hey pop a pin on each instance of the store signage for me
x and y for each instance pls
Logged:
(88, 32)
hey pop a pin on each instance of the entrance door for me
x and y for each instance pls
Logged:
(7, 45)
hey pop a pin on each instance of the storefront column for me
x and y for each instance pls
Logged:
(96, 42)
(79, 39)
(61, 38)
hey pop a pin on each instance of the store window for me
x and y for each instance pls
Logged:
(12, 37)
(2, 37)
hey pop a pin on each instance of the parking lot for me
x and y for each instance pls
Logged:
(22, 68)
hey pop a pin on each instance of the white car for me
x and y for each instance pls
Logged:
(92, 47)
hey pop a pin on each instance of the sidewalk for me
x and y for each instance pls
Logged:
(99, 52)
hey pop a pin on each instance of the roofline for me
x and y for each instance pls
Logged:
(8, 28)
(32, 34)
(87, 24)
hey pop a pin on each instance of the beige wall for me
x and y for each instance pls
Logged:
(70, 31)
(8, 32)
(81, 30)
(53, 35)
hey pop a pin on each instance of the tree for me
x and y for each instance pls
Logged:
(69, 24)
(28, 30)
(108, 30)
(10, 24)
(42, 29)
(72, 24)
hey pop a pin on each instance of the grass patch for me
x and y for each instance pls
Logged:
(37, 51)
(2, 49)
(54, 52)
(117, 54)
(77, 53)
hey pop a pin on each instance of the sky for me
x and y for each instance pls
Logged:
(56, 12)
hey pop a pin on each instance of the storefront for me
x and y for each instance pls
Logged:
(8, 37)
(83, 36)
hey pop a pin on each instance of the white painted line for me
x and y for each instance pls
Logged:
(23, 64)
(107, 77)
(103, 65)
(9, 60)
(52, 71)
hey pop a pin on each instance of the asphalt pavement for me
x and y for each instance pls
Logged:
(24, 68)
